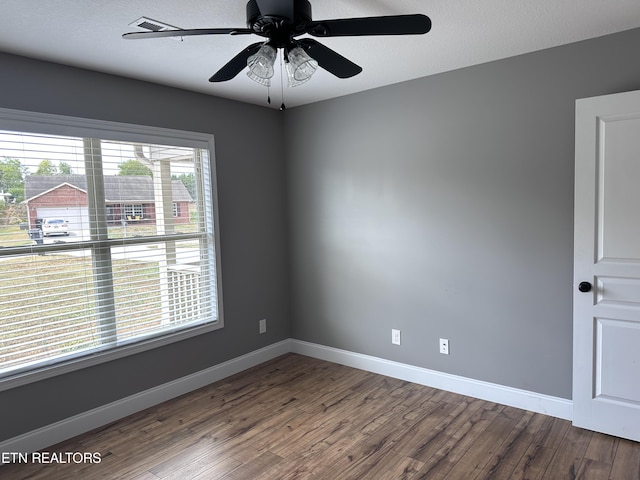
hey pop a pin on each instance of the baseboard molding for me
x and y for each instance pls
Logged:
(70, 427)
(57, 432)
(526, 400)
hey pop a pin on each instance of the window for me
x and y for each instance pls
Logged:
(94, 262)
(133, 212)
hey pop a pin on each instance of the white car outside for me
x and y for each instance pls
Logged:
(54, 226)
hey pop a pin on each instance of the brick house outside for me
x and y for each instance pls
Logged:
(128, 198)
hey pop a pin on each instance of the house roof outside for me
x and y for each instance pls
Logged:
(118, 188)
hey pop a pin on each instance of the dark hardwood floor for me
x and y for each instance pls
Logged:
(300, 418)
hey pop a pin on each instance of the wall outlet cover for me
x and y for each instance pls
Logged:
(444, 346)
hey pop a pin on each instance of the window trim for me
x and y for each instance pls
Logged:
(52, 124)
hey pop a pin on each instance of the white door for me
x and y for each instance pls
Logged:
(606, 313)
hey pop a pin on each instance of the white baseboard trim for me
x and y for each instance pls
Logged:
(81, 423)
(526, 400)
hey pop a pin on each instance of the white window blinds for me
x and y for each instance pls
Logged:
(103, 244)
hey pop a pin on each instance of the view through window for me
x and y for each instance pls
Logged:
(103, 244)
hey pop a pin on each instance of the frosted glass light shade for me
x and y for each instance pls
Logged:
(300, 66)
(261, 65)
(262, 81)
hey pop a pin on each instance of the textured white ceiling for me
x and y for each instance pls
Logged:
(87, 33)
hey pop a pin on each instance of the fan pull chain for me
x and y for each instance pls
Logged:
(282, 107)
(268, 94)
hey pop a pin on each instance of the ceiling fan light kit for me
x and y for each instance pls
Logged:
(261, 65)
(300, 66)
(281, 22)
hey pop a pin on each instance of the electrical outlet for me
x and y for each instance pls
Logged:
(262, 324)
(395, 336)
(444, 346)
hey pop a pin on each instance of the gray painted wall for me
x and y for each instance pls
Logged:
(441, 206)
(444, 207)
(252, 223)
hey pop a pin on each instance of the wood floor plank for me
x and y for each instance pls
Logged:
(626, 465)
(569, 454)
(253, 468)
(299, 418)
(441, 462)
(435, 429)
(602, 448)
(358, 454)
(287, 470)
(384, 464)
(193, 462)
(258, 439)
(510, 453)
(593, 470)
(474, 460)
(217, 469)
(552, 433)
(314, 437)
(145, 476)
(537, 456)
(534, 463)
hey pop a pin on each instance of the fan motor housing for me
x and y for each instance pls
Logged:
(277, 28)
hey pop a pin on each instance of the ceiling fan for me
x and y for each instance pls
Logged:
(281, 22)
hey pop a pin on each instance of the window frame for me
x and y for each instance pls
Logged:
(53, 124)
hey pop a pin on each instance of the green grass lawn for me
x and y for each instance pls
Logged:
(37, 292)
(12, 236)
(48, 302)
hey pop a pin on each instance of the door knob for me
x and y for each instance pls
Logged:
(584, 287)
